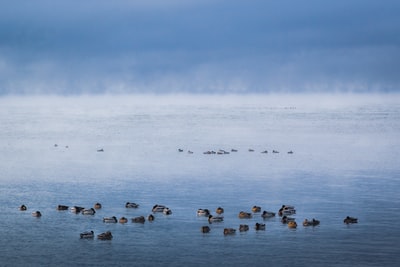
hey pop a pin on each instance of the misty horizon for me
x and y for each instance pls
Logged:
(200, 47)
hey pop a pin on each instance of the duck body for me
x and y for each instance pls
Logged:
(243, 228)
(286, 210)
(229, 231)
(105, 236)
(245, 215)
(256, 209)
(267, 214)
(205, 229)
(90, 211)
(139, 219)
(62, 207)
(292, 224)
(36, 214)
(77, 209)
(87, 234)
(158, 208)
(203, 212)
(349, 220)
(212, 219)
(112, 219)
(259, 226)
(131, 205)
(219, 210)
(312, 222)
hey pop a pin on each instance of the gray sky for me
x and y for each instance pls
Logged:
(210, 46)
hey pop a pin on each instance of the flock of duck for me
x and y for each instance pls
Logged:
(285, 212)
(233, 150)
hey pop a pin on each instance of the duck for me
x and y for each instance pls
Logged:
(229, 231)
(131, 205)
(87, 234)
(167, 211)
(245, 215)
(36, 214)
(203, 212)
(312, 222)
(158, 208)
(150, 218)
(243, 228)
(100, 150)
(62, 207)
(265, 152)
(97, 206)
(22, 207)
(349, 219)
(219, 210)
(251, 150)
(234, 150)
(212, 219)
(259, 226)
(205, 229)
(123, 220)
(77, 209)
(286, 210)
(105, 236)
(292, 224)
(267, 214)
(90, 211)
(256, 209)
(290, 152)
(286, 219)
(190, 152)
(112, 219)
(180, 150)
(139, 219)
(275, 151)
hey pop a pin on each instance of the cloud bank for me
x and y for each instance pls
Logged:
(75, 47)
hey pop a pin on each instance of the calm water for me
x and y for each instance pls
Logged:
(345, 162)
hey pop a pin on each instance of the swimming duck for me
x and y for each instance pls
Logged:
(131, 205)
(167, 211)
(292, 224)
(290, 152)
(251, 150)
(123, 220)
(245, 215)
(105, 236)
(150, 218)
(158, 208)
(212, 219)
(229, 231)
(139, 219)
(256, 209)
(312, 222)
(77, 209)
(259, 226)
(286, 210)
(275, 151)
(349, 219)
(243, 228)
(22, 207)
(36, 214)
(100, 150)
(62, 207)
(265, 152)
(97, 206)
(234, 150)
(205, 229)
(87, 234)
(286, 219)
(90, 211)
(203, 212)
(219, 210)
(180, 150)
(112, 219)
(267, 214)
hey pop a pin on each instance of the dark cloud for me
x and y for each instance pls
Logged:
(199, 46)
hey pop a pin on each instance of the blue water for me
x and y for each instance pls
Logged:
(345, 162)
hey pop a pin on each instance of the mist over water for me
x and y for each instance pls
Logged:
(344, 162)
